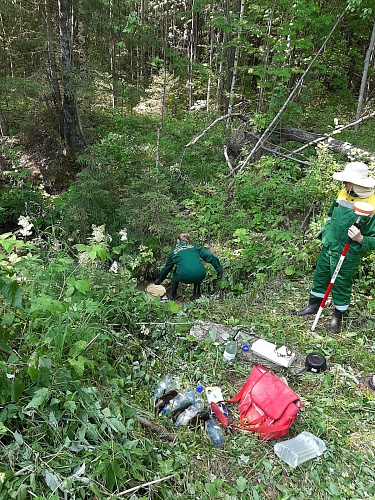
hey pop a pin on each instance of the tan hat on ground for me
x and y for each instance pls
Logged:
(156, 290)
(355, 172)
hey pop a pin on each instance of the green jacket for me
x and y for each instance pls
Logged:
(341, 216)
(188, 265)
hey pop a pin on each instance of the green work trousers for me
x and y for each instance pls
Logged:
(342, 287)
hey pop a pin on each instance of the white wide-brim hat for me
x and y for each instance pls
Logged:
(355, 172)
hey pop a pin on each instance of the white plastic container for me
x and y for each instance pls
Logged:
(299, 449)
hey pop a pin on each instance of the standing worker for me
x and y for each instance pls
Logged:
(359, 186)
(186, 258)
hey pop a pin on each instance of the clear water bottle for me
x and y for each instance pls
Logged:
(299, 449)
(166, 384)
(192, 410)
(214, 432)
(183, 397)
(230, 350)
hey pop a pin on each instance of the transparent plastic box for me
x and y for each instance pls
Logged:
(299, 449)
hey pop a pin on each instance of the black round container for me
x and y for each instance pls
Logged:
(315, 362)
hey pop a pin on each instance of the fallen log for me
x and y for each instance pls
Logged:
(345, 148)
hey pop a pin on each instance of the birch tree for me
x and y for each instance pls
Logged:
(3, 125)
(364, 75)
(235, 62)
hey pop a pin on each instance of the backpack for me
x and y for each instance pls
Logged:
(267, 405)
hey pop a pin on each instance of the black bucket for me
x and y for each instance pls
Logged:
(315, 362)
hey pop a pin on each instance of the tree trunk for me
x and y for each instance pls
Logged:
(145, 51)
(235, 62)
(6, 54)
(191, 56)
(267, 50)
(3, 125)
(52, 75)
(210, 64)
(66, 18)
(229, 51)
(364, 75)
(112, 53)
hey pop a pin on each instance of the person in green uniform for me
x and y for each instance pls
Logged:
(359, 186)
(186, 260)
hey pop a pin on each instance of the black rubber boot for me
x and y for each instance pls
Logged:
(371, 383)
(197, 291)
(311, 308)
(174, 289)
(336, 320)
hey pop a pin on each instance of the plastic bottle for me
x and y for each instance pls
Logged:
(230, 350)
(299, 449)
(166, 384)
(214, 432)
(192, 410)
(183, 397)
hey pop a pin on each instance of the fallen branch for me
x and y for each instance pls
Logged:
(273, 151)
(221, 118)
(91, 342)
(228, 160)
(144, 485)
(157, 429)
(286, 156)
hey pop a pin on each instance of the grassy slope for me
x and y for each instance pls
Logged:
(338, 406)
(128, 364)
(335, 406)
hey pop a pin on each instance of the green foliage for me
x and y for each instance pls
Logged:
(20, 195)
(76, 316)
(83, 346)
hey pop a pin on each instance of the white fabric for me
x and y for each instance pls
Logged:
(362, 192)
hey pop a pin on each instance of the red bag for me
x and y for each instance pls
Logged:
(267, 405)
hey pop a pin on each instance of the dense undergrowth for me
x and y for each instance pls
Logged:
(83, 345)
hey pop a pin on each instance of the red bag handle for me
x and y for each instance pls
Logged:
(220, 415)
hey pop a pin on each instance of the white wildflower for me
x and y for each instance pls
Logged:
(114, 268)
(13, 258)
(26, 225)
(84, 258)
(145, 330)
(124, 234)
(98, 233)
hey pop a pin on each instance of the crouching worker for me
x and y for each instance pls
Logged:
(185, 258)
